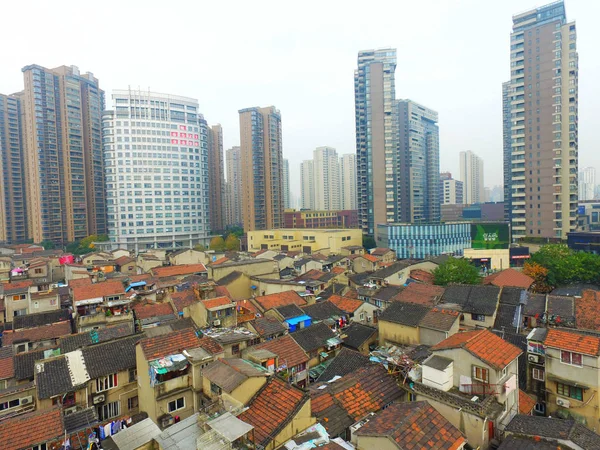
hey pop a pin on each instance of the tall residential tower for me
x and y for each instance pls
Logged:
(13, 213)
(156, 152)
(262, 168)
(418, 173)
(216, 179)
(287, 201)
(348, 181)
(544, 123)
(63, 154)
(234, 186)
(374, 95)
(471, 174)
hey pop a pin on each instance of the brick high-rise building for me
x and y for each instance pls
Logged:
(262, 168)
(64, 168)
(216, 179)
(13, 213)
(544, 123)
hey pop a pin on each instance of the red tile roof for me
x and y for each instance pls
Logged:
(351, 293)
(123, 260)
(287, 349)
(222, 291)
(483, 344)
(526, 403)
(210, 345)
(22, 284)
(572, 341)
(152, 310)
(509, 278)
(183, 299)
(211, 303)
(169, 344)
(363, 391)
(140, 277)
(370, 258)
(34, 428)
(7, 367)
(421, 275)
(80, 282)
(346, 304)
(102, 289)
(338, 270)
(423, 294)
(270, 301)
(587, 310)
(42, 333)
(414, 425)
(177, 271)
(221, 260)
(273, 407)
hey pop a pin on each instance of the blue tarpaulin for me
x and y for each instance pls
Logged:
(134, 285)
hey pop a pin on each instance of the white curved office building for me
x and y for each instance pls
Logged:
(156, 165)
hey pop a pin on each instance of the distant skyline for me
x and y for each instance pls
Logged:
(303, 63)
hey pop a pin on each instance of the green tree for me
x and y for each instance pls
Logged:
(199, 247)
(455, 270)
(540, 277)
(217, 243)
(235, 230)
(369, 242)
(566, 266)
(86, 245)
(48, 245)
(232, 243)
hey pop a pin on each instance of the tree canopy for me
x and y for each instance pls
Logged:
(217, 243)
(48, 245)
(86, 245)
(368, 242)
(566, 266)
(456, 270)
(232, 243)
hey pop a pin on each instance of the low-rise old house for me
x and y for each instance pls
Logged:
(214, 312)
(318, 341)
(101, 304)
(266, 328)
(339, 403)
(233, 340)
(37, 430)
(409, 425)
(233, 380)
(278, 412)
(45, 336)
(264, 303)
(360, 337)
(471, 379)
(357, 310)
(478, 304)
(292, 316)
(385, 255)
(179, 272)
(365, 263)
(291, 360)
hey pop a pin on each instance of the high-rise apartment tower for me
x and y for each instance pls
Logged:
(544, 123)
(216, 178)
(234, 186)
(471, 174)
(348, 181)
(64, 170)
(262, 168)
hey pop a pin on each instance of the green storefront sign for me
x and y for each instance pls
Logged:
(489, 235)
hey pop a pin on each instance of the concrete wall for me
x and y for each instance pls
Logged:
(190, 256)
(360, 265)
(300, 422)
(396, 333)
(261, 268)
(399, 278)
(375, 442)
(499, 258)
(588, 375)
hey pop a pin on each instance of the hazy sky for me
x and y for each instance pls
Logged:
(453, 56)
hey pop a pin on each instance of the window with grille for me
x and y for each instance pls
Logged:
(107, 382)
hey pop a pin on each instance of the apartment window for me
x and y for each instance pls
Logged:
(235, 349)
(537, 374)
(132, 375)
(39, 447)
(10, 404)
(38, 270)
(540, 408)
(481, 374)
(19, 297)
(132, 403)
(478, 317)
(107, 382)
(177, 404)
(569, 391)
(108, 410)
(575, 359)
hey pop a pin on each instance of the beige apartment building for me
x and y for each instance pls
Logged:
(61, 111)
(543, 102)
(262, 168)
(216, 178)
(305, 240)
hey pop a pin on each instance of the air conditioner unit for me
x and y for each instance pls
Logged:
(70, 410)
(98, 399)
(533, 358)
(26, 400)
(563, 402)
(166, 420)
(216, 323)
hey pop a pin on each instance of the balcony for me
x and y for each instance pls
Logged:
(175, 384)
(101, 320)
